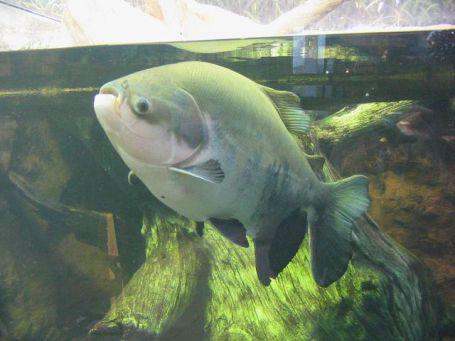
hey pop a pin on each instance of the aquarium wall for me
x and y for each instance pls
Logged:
(162, 180)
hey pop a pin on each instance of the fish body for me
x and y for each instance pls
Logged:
(215, 146)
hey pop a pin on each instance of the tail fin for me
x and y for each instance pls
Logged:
(330, 225)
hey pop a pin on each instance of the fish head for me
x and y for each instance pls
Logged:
(152, 120)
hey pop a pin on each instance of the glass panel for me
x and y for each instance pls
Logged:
(87, 252)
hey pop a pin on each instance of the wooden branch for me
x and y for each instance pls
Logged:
(199, 21)
(191, 20)
(112, 22)
(153, 8)
(352, 122)
(91, 227)
(176, 20)
(310, 12)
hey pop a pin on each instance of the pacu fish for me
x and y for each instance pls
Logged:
(215, 146)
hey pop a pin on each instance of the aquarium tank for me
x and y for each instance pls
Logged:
(227, 170)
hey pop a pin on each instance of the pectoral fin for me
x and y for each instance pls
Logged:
(231, 229)
(208, 171)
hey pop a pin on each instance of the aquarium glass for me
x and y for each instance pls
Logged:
(303, 186)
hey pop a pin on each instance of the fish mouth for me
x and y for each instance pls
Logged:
(108, 100)
(107, 108)
(105, 105)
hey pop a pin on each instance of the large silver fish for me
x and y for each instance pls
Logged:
(216, 146)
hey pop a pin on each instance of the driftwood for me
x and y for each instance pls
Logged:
(190, 20)
(121, 23)
(191, 286)
(53, 257)
(350, 123)
(177, 20)
(303, 16)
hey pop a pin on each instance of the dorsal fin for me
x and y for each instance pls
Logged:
(288, 107)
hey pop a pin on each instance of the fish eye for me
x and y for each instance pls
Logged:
(142, 106)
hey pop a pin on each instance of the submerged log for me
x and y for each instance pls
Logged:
(47, 265)
(208, 286)
(353, 122)
(28, 306)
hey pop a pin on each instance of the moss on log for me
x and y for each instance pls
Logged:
(165, 298)
(192, 286)
(351, 122)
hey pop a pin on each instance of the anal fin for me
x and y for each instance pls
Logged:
(232, 229)
(287, 240)
(263, 269)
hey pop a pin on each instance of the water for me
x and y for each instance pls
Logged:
(82, 250)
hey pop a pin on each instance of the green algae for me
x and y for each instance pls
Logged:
(235, 306)
(164, 286)
(350, 122)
